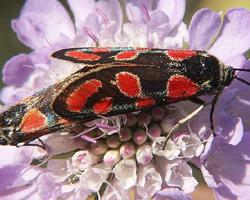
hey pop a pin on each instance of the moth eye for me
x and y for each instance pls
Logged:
(3, 140)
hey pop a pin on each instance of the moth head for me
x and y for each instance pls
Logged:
(4, 140)
(233, 70)
(8, 134)
(10, 137)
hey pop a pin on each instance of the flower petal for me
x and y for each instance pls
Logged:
(204, 25)
(78, 6)
(125, 171)
(232, 127)
(43, 24)
(15, 155)
(27, 192)
(93, 178)
(237, 61)
(47, 187)
(105, 11)
(172, 194)
(240, 101)
(134, 13)
(177, 173)
(149, 181)
(116, 191)
(110, 10)
(21, 65)
(234, 37)
(59, 144)
(13, 165)
(175, 10)
(229, 167)
(10, 95)
(58, 167)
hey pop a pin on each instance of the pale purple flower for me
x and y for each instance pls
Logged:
(127, 155)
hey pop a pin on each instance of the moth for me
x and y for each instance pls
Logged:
(115, 81)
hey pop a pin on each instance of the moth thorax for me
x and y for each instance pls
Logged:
(229, 75)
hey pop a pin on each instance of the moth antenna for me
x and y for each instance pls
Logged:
(243, 70)
(242, 80)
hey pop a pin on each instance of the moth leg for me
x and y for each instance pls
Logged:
(27, 143)
(189, 116)
(198, 101)
(214, 101)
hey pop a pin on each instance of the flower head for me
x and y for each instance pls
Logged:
(118, 155)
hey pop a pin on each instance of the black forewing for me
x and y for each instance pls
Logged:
(153, 68)
(151, 56)
(153, 83)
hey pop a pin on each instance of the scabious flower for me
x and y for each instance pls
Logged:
(121, 157)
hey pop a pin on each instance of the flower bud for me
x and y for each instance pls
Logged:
(111, 157)
(125, 134)
(154, 131)
(98, 148)
(127, 150)
(113, 141)
(140, 136)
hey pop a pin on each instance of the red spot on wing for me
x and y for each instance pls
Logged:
(180, 87)
(82, 56)
(78, 98)
(128, 84)
(145, 102)
(143, 49)
(126, 55)
(32, 121)
(103, 106)
(181, 54)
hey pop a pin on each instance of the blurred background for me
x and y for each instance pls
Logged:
(9, 44)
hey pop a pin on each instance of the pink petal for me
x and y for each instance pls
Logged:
(203, 27)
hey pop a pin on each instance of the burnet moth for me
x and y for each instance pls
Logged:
(115, 81)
